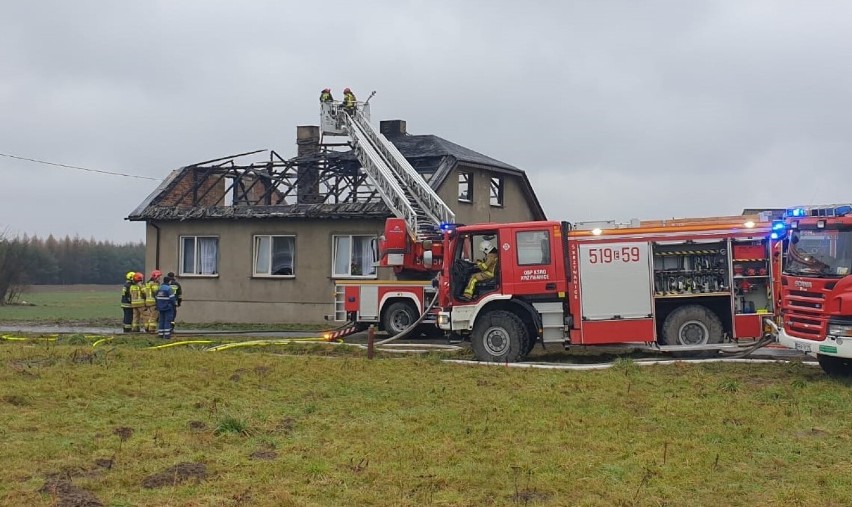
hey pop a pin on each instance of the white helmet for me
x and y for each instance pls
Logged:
(486, 247)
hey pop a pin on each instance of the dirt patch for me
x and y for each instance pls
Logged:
(529, 496)
(197, 425)
(67, 494)
(813, 432)
(16, 400)
(262, 371)
(235, 377)
(263, 455)
(104, 463)
(286, 426)
(123, 433)
(177, 474)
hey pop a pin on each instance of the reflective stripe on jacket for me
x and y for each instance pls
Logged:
(137, 295)
(151, 289)
(125, 294)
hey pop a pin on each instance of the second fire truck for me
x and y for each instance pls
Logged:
(815, 286)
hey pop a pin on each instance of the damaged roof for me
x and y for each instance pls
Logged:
(430, 155)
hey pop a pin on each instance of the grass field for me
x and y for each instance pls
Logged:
(126, 426)
(89, 304)
(98, 305)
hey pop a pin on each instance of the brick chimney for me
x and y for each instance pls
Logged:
(307, 173)
(392, 128)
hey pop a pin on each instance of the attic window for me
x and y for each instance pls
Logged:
(496, 198)
(466, 186)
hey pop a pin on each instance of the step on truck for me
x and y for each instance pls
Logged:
(815, 285)
(690, 285)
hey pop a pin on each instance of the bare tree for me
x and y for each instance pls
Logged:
(12, 268)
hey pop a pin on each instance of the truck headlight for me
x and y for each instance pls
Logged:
(840, 330)
(443, 319)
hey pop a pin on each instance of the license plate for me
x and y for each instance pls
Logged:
(804, 347)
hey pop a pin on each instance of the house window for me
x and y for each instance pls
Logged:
(354, 256)
(533, 248)
(273, 255)
(466, 187)
(199, 255)
(496, 191)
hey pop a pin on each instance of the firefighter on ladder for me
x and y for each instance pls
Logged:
(349, 101)
(487, 267)
(325, 96)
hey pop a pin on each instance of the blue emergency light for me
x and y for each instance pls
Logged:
(779, 230)
(446, 226)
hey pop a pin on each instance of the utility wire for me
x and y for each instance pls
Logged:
(78, 167)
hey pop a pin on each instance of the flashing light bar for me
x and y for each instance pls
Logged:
(779, 230)
(447, 226)
(827, 210)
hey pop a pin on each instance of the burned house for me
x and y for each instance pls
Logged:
(257, 238)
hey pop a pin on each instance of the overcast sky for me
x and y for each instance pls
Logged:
(616, 109)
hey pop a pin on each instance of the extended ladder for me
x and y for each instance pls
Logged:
(402, 188)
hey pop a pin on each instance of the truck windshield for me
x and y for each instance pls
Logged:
(819, 252)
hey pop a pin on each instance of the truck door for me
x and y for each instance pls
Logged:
(533, 261)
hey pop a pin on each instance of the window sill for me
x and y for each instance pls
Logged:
(194, 275)
(354, 277)
(496, 205)
(466, 201)
(272, 277)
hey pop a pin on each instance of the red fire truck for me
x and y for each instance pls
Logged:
(816, 283)
(678, 285)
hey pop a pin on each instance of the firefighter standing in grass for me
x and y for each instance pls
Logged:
(137, 303)
(152, 287)
(486, 267)
(172, 280)
(166, 305)
(126, 306)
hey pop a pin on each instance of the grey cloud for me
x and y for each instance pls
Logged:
(616, 109)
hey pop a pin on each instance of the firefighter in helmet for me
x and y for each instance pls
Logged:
(137, 302)
(349, 101)
(126, 307)
(152, 317)
(487, 267)
(325, 95)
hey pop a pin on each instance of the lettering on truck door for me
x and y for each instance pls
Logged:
(615, 281)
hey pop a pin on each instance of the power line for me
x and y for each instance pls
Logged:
(78, 167)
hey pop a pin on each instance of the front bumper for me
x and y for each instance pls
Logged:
(832, 345)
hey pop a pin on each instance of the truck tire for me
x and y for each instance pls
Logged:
(835, 366)
(693, 325)
(398, 317)
(499, 337)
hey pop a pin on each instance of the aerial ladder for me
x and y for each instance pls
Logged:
(412, 239)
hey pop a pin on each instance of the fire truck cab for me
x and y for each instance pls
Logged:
(679, 285)
(816, 284)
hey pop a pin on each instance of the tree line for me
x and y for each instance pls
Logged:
(35, 261)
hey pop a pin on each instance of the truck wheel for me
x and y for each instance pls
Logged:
(398, 317)
(835, 366)
(499, 336)
(693, 325)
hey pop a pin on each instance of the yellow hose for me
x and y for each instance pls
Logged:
(261, 343)
(175, 344)
(103, 340)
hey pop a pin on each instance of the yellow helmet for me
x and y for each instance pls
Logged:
(130, 274)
